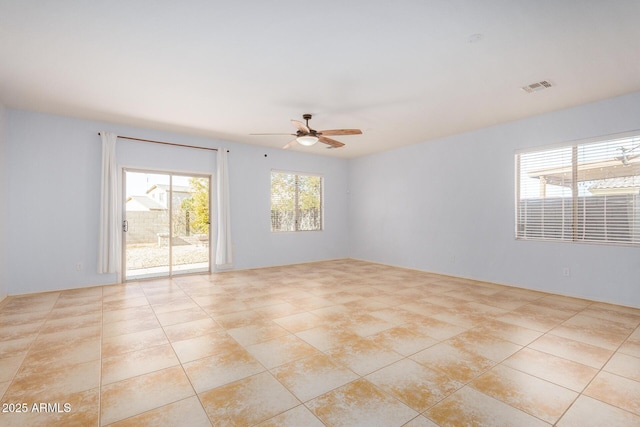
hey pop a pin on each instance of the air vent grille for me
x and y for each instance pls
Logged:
(534, 87)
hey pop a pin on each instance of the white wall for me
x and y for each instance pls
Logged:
(447, 206)
(54, 186)
(3, 206)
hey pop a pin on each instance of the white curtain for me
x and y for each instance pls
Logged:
(224, 247)
(109, 258)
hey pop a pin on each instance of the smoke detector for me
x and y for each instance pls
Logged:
(537, 86)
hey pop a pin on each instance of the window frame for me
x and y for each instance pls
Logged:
(576, 217)
(297, 208)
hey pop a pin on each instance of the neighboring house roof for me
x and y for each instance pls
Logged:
(176, 188)
(627, 185)
(147, 202)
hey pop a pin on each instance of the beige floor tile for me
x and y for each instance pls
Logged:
(422, 308)
(469, 407)
(219, 335)
(125, 303)
(222, 368)
(312, 376)
(457, 364)
(503, 300)
(238, 319)
(51, 385)
(563, 303)
(296, 417)
(588, 412)
(420, 421)
(58, 339)
(186, 412)
(129, 326)
(632, 345)
(139, 394)
(127, 365)
(397, 315)
(9, 367)
(310, 303)
(557, 370)
(414, 384)
(363, 356)
(19, 331)
(508, 331)
(203, 346)
(624, 365)
(180, 316)
(181, 304)
(532, 395)
(61, 354)
(325, 337)
(333, 314)
(367, 304)
(626, 316)
(299, 321)
(248, 401)
(139, 313)
(460, 316)
(484, 344)
(74, 309)
(9, 319)
(276, 311)
(363, 324)
(595, 331)
(436, 328)
(30, 303)
(360, 403)
(73, 322)
(193, 329)
(119, 344)
(16, 347)
(253, 334)
(444, 300)
(403, 340)
(576, 351)
(76, 409)
(281, 350)
(616, 390)
(534, 317)
(3, 387)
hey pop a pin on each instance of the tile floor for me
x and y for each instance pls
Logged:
(340, 343)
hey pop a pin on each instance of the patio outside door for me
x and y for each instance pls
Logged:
(166, 224)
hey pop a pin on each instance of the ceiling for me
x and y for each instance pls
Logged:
(404, 71)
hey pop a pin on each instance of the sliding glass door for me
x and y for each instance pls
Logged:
(166, 224)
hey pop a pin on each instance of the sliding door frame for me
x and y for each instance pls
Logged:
(171, 174)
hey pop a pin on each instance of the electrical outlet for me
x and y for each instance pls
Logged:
(566, 272)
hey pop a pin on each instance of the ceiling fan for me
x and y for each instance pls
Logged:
(625, 157)
(307, 136)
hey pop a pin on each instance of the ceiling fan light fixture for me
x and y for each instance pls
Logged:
(307, 140)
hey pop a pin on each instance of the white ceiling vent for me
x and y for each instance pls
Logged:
(534, 87)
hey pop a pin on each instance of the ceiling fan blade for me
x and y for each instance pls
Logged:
(340, 132)
(292, 134)
(301, 126)
(290, 144)
(331, 142)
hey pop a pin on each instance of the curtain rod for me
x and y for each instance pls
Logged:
(166, 143)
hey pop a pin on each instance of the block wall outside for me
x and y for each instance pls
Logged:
(146, 226)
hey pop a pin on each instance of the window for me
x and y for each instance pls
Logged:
(296, 202)
(584, 192)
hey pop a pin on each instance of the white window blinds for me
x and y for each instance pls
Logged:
(296, 202)
(582, 192)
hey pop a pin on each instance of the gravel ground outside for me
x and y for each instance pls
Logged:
(148, 256)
